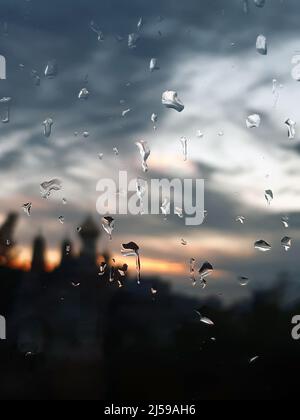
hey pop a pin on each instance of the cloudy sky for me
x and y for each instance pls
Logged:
(206, 51)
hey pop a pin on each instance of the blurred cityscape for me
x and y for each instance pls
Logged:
(72, 334)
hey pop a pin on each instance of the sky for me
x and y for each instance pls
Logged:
(206, 52)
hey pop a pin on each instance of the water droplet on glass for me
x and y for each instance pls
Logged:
(86, 134)
(200, 135)
(170, 100)
(192, 270)
(246, 6)
(75, 285)
(133, 40)
(84, 94)
(154, 291)
(154, 119)
(184, 144)
(132, 249)
(261, 45)
(5, 109)
(262, 246)
(253, 121)
(116, 151)
(108, 224)
(205, 320)
(36, 77)
(183, 242)
(100, 156)
(47, 125)
(27, 208)
(51, 70)
(144, 152)
(48, 187)
(166, 207)
(291, 125)
(221, 133)
(64, 201)
(205, 270)
(141, 189)
(78, 229)
(140, 24)
(253, 360)
(243, 281)
(285, 221)
(61, 219)
(179, 212)
(269, 196)
(240, 219)
(95, 28)
(126, 112)
(286, 242)
(102, 268)
(153, 65)
(259, 3)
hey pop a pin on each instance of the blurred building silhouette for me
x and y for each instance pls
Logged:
(38, 264)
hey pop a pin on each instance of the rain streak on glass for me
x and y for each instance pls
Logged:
(193, 270)
(108, 224)
(47, 125)
(262, 246)
(205, 320)
(261, 45)
(291, 125)
(141, 189)
(48, 187)
(95, 28)
(170, 100)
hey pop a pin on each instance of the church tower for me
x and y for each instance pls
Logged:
(38, 264)
(89, 235)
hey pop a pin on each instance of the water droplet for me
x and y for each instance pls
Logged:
(286, 242)
(200, 135)
(154, 291)
(140, 24)
(61, 219)
(170, 100)
(47, 124)
(285, 221)
(205, 320)
(221, 133)
(116, 151)
(240, 219)
(259, 3)
(153, 65)
(102, 268)
(36, 77)
(253, 360)
(141, 189)
(205, 270)
(179, 212)
(243, 281)
(64, 201)
(269, 196)
(296, 67)
(132, 249)
(184, 144)
(108, 224)
(133, 40)
(27, 208)
(253, 121)
(154, 119)
(86, 134)
(261, 45)
(291, 125)
(144, 152)
(78, 229)
(51, 70)
(100, 156)
(84, 94)
(126, 112)
(192, 270)
(95, 28)
(166, 207)
(262, 246)
(5, 109)
(75, 285)
(183, 242)
(48, 187)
